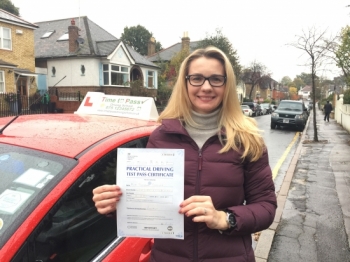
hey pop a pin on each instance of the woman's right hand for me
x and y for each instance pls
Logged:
(106, 198)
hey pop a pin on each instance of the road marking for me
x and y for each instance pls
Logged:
(283, 157)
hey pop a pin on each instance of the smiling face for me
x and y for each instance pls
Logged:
(205, 98)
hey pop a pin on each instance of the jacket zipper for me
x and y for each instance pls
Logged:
(200, 161)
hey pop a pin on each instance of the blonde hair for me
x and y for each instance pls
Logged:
(240, 132)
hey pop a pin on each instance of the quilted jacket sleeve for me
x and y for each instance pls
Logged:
(260, 199)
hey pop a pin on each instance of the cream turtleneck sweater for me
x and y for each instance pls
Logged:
(207, 126)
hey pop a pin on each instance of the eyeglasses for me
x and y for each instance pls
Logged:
(214, 80)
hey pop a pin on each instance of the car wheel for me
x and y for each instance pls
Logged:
(273, 126)
(301, 128)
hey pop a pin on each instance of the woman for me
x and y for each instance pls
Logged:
(229, 191)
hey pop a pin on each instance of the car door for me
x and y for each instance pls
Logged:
(73, 230)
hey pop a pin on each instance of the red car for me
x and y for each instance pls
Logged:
(49, 165)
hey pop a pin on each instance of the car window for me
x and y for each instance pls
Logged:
(74, 230)
(290, 106)
(26, 176)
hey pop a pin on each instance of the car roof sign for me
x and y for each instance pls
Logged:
(98, 103)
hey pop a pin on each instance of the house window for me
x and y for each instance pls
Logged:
(63, 37)
(48, 34)
(5, 38)
(150, 79)
(115, 75)
(2, 82)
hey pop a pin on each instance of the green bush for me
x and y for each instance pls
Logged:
(322, 102)
(163, 95)
(346, 98)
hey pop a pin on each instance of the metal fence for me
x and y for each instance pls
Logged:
(66, 96)
(12, 104)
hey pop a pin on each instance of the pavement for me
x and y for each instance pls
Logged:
(312, 221)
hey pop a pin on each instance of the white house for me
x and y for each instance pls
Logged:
(304, 92)
(78, 55)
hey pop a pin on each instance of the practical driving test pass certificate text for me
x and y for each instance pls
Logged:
(152, 182)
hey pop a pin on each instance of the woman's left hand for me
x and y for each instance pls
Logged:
(202, 210)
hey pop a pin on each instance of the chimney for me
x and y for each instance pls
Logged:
(151, 46)
(73, 34)
(185, 41)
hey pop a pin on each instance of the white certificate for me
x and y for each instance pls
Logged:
(152, 182)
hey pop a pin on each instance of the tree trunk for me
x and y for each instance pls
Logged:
(251, 91)
(314, 98)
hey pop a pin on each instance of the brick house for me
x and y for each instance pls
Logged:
(166, 54)
(17, 61)
(78, 55)
(264, 88)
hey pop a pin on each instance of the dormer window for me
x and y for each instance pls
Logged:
(48, 34)
(63, 37)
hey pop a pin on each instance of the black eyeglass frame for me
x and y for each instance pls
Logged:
(205, 79)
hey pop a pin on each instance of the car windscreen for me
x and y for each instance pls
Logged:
(290, 106)
(27, 176)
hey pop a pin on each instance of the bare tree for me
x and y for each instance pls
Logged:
(254, 74)
(317, 47)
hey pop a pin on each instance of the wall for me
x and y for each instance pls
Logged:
(66, 106)
(70, 69)
(72, 106)
(122, 91)
(342, 114)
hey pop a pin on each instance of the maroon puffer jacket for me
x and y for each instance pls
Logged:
(246, 188)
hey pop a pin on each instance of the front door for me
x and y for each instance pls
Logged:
(22, 85)
(23, 91)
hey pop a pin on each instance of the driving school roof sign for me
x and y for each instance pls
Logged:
(97, 103)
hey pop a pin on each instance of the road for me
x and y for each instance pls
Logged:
(281, 145)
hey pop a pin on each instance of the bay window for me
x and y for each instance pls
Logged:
(115, 75)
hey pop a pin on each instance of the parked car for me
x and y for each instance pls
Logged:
(49, 165)
(253, 106)
(266, 107)
(246, 110)
(263, 110)
(290, 113)
(274, 107)
(310, 105)
(259, 110)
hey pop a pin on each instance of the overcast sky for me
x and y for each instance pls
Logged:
(259, 30)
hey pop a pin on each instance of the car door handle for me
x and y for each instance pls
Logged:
(146, 251)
